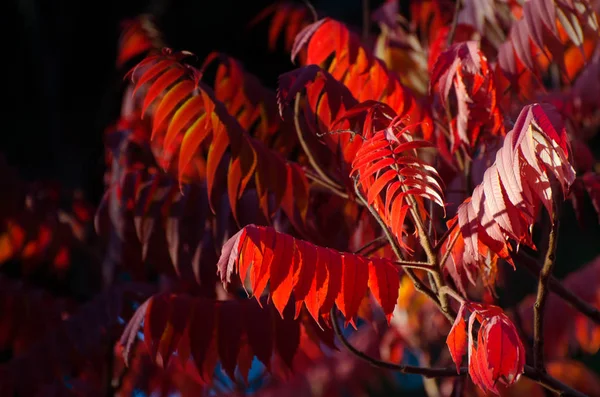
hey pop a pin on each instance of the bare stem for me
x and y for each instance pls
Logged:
(405, 369)
(311, 159)
(542, 292)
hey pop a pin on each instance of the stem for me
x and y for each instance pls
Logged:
(306, 149)
(454, 24)
(405, 369)
(560, 290)
(542, 292)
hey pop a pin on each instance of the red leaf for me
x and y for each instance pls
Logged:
(498, 357)
(457, 338)
(318, 275)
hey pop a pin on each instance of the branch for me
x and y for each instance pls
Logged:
(445, 290)
(417, 265)
(542, 291)
(550, 383)
(306, 149)
(560, 290)
(405, 369)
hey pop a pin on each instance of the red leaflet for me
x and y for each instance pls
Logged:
(318, 276)
(457, 338)
(498, 355)
(356, 67)
(505, 204)
(463, 86)
(387, 167)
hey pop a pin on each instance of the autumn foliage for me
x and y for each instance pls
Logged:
(373, 210)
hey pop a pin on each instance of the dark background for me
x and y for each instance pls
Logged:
(63, 86)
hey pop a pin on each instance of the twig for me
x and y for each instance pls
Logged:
(449, 250)
(405, 369)
(375, 242)
(312, 10)
(551, 383)
(560, 290)
(542, 292)
(375, 248)
(454, 24)
(306, 149)
(438, 245)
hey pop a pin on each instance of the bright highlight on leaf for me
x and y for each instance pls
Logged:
(505, 205)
